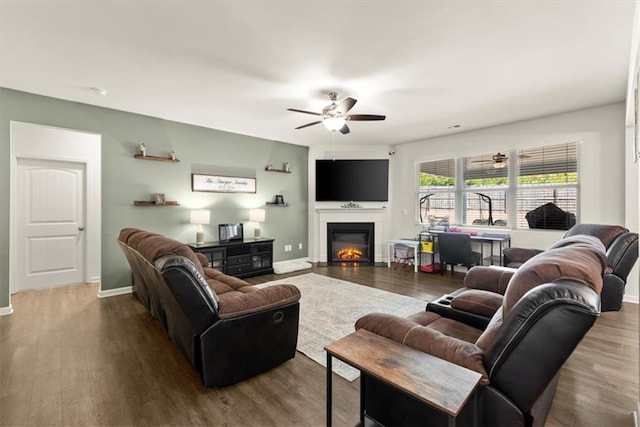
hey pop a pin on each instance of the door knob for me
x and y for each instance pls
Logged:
(81, 228)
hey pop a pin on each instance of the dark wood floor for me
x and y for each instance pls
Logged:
(67, 357)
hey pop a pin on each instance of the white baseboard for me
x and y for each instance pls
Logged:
(5, 311)
(115, 292)
(631, 298)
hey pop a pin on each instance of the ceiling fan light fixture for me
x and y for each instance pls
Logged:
(334, 123)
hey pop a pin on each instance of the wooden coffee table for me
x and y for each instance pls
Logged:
(436, 382)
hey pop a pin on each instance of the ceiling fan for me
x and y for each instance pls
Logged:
(499, 160)
(335, 116)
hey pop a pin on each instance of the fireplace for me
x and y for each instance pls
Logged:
(350, 243)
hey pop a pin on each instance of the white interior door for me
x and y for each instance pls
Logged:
(49, 223)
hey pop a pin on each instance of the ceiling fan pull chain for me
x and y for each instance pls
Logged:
(333, 144)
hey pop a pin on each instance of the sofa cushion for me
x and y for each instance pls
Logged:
(152, 246)
(477, 301)
(606, 233)
(492, 278)
(247, 300)
(580, 258)
(491, 331)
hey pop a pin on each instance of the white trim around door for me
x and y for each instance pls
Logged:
(40, 142)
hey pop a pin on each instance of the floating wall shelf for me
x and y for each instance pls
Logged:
(276, 170)
(282, 205)
(147, 203)
(156, 158)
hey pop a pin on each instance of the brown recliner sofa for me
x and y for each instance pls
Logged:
(226, 329)
(549, 304)
(622, 252)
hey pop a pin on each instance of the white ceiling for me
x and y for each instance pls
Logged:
(237, 66)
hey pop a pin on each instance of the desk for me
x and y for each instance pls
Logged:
(503, 239)
(415, 244)
(436, 382)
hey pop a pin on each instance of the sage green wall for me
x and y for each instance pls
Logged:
(125, 179)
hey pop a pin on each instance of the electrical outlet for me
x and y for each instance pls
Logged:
(299, 245)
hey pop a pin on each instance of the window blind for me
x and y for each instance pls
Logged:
(552, 159)
(481, 167)
(440, 168)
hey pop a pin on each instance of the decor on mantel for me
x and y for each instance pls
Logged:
(222, 184)
(351, 205)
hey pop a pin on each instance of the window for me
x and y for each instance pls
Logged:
(548, 175)
(437, 191)
(501, 189)
(486, 184)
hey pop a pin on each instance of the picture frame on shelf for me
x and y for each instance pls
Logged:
(159, 198)
(279, 199)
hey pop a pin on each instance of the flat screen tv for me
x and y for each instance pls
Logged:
(352, 180)
(230, 232)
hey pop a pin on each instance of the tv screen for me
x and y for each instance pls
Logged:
(229, 232)
(352, 180)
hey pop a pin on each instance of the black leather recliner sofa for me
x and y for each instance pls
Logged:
(549, 305)
(622, 253)
(226, 329)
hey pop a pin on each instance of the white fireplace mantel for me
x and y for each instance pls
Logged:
(324, 216)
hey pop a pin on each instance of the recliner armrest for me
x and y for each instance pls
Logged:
(234, 304)
(492, 279)
(426, 340)
(483, 303)
(518, 255)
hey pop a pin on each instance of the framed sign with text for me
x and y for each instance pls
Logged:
(222, 184)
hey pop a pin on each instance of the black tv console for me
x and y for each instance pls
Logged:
(240, 258)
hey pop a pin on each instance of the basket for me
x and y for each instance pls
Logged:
(426, 246)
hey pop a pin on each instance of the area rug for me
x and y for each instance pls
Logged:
(329, 309)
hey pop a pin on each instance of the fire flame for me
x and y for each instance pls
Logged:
(349, 253)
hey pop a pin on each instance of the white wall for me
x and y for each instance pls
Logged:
(632, 168)
(605, 193)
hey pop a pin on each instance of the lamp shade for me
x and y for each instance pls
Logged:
(200, 216)
(257, 215)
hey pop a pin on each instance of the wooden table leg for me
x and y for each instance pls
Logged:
(329, 387)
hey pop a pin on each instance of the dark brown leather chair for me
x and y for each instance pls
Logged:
(622, 252)
(548, 307)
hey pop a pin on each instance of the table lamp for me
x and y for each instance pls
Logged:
(258, 216)
(200, 217)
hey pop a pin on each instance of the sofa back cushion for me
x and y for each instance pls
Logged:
(580, 258)
(152, 246)
(606, 233)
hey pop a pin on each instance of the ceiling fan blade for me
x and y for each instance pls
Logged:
(482, 161)
(303, 111)
(365, 117)
(346, 105)
(309, 124)
(344, 129)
